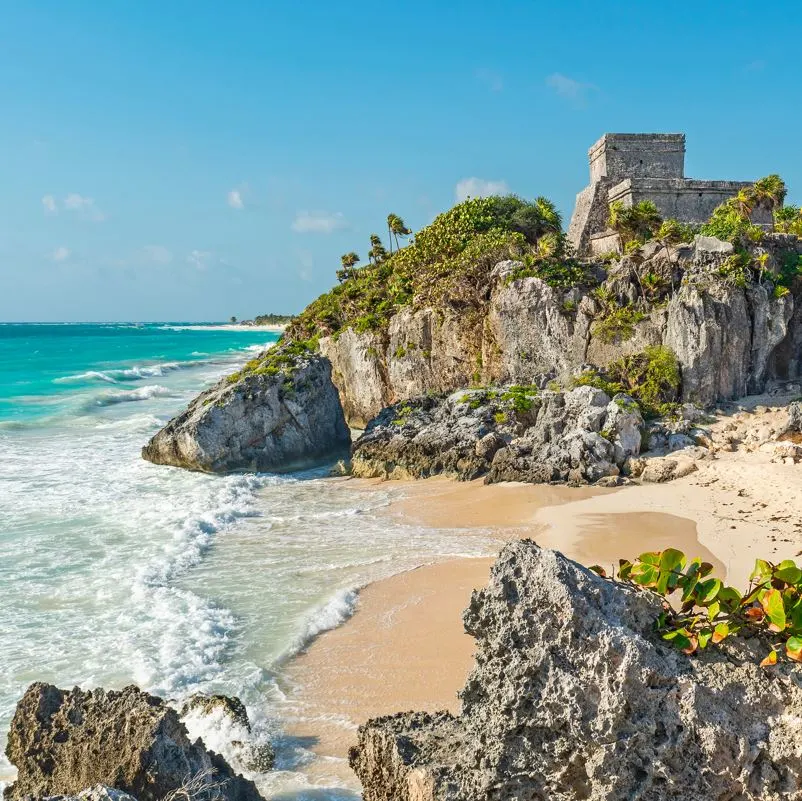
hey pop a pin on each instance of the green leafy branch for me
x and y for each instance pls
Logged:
(705, 610)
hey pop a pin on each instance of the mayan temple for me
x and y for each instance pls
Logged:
(635, 167)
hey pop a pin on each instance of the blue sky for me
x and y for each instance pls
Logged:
(194, 160)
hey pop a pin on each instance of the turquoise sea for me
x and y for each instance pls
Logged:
(116, 571)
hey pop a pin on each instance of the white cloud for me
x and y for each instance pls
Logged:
(84, 206)
(61, 253)
(234, 199)
(569, 88)
(478, 187)
(158, 254)
(200, 259)
(318, 222)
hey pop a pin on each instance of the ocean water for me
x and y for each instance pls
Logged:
(116, 571)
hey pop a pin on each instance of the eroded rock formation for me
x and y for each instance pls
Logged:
(573, 697)
(506, 434)
(63, 742)
(275, 416)
(730, 340)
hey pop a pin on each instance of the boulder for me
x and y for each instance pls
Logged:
(792, 427)
(573, 696)
(63, 742)
(222, 723)
(508, 433)
(280, 413)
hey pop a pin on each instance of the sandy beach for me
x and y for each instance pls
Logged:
(405, 647)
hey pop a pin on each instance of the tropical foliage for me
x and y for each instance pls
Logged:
(704, 610)
(651, 377)
(447, 263)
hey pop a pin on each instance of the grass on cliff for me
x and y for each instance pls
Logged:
(283, 358)
(447, 264)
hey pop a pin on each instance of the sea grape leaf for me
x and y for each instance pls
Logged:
(599, 570)
(793, 648)
(624, 569)
(713, 610)
(721, 632)
(704, 637)
(707, 590)
(788, 572)
(772, 603)
(729, 598)
(771, 659)
(762, 571)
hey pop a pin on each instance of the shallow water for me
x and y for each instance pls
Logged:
(114, 570)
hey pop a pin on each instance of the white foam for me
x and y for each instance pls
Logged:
(128, 396)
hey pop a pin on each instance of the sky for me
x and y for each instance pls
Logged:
(193, 160)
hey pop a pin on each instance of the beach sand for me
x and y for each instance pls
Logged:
(405, 647)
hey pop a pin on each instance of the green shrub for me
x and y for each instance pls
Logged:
(617, 324)
(520, 396)
(709, 611)
(651, 377)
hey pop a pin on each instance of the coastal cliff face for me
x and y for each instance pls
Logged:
(730, 338)
(280, 413)
(572, 697)
(63, 742)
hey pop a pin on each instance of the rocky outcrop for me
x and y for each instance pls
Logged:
(279, 414)
(63, 742)
(223, 724)
(509, 433)
(730, 339)
(573, 697)
(99, 793)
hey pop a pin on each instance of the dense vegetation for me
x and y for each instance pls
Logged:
(272, 319)
(651, 377)
(448, 263)
(709, 611)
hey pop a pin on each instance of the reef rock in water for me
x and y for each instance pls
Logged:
(280, 413)
(63, 742)
(573, 697)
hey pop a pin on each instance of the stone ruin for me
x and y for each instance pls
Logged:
(635, 167)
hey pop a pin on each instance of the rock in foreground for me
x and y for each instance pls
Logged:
(572, 697)
(63, 742)
(508, 434)
(280, 413)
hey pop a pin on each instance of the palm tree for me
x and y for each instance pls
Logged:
(348, 261)
(396, 228)
(744, 202)
(377, 251)
(771, 189)
(634, 223)
(552, 221)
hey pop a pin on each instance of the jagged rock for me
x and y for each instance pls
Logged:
(275, 419)
(579, 436)
(729, 340)
(65, 741)
(573, 697)
(793, 425)
(98, 793)
(222, 722)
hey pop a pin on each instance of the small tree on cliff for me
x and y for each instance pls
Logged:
(349, 260)
(634, 223)
(377, 253)
(396, 228)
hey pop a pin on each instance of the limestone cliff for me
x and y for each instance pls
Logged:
(730, 337)
(573, 697)
(280, 413)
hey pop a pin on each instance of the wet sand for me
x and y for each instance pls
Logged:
(405, 647)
